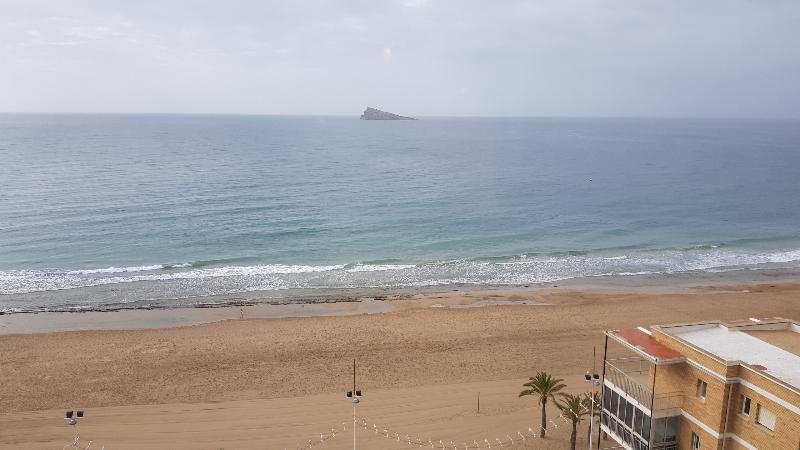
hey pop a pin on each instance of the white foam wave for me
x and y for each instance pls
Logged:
(379, 267)
(541, 269)
(117, 269)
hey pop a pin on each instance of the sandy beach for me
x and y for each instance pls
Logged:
(264, 377)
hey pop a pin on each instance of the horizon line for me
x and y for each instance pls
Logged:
(356, 116)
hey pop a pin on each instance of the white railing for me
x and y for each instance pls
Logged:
(622, 373)
(617, 372)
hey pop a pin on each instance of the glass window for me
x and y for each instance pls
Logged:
(702, 387)
(695, 442)
(622, 405)
(614, 403)
(659, 427)
(604, 418)
(646, 427)
(606, 397)
(637, 422)
(766, 418)
(629, 415)
(671, 430)
(745, 405)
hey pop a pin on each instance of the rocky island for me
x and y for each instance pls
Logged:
(376, 114)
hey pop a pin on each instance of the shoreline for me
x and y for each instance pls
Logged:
(343, 302)
(178, 292)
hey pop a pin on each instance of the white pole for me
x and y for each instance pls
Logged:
(591, 417)
(354, 424)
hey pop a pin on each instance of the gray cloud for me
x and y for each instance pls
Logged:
(420, 57)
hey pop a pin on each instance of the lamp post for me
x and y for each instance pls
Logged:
(355, 395)
(72, 419)
(593, 378)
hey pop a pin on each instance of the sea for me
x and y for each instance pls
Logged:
(146, 211)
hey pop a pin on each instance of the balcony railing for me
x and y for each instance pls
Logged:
(631, 375)
(621, 373)
(671, 446)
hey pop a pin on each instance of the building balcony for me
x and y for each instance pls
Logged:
(632, 414)
(632, 377)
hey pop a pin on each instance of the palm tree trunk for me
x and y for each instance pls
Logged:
(544, 419)
(574, 436)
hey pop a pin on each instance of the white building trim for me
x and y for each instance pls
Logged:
(728, 380)
(741, 441)
(793, 408)
(714, 434)
(700, 424)
(628, 398)
(695, 421)
(706, 370)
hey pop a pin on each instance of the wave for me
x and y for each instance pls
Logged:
(121, 269)
(378, 267)
(215, 278)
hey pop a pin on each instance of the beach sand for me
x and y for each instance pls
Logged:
(263, 382)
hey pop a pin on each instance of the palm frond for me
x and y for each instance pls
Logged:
(543, 384)
(573, 406)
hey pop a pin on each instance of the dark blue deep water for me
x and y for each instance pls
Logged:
(142, 208)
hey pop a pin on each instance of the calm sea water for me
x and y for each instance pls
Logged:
(99, 210)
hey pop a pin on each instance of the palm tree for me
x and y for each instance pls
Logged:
(545, 386)
(574, 408)
(589, 398)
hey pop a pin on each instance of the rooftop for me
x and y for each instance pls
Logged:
(641, 340)
(785, 339)
(770, 345)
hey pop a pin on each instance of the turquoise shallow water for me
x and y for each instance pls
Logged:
(147, 209)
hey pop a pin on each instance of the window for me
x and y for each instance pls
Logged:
(745, 406)
(672, 429)
(637, 422)
(702, 387)
(659, 427)
(766, 418)
(695, 441)
(629, 415)
(614, 403)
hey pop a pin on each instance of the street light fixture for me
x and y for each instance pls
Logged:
(72, 419)
(593, 378)
(355, 396)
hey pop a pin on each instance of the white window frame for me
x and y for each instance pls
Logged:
(766, 418)
(695, 441)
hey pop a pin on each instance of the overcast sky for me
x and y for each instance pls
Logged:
(416, 57)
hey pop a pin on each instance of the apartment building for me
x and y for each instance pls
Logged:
(702, 386)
